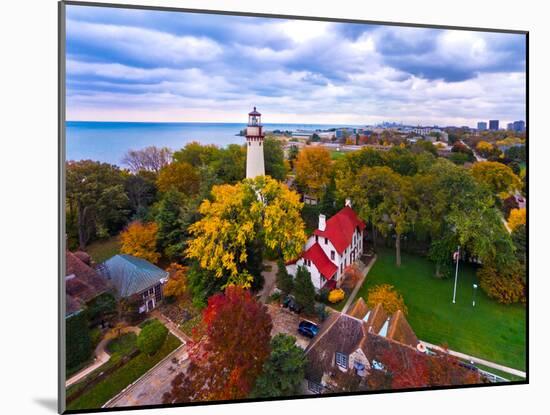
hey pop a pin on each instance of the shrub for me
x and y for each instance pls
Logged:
(386, 295)
(337, 295)
(507, 286)
(152, 337)
(304, 291)
(285, 282)
(322, 296)
(321, 311)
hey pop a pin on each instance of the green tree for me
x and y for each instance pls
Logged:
(151, 337)
(293, 154)
(141, 191)
(285, 281)
(519, 238)
(274, 158)
(78, 344)
(283, 371)
(304, 291)
(230, 166)
(197, 154)
(96, 201)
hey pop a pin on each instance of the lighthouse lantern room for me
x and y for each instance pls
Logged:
(254, 145)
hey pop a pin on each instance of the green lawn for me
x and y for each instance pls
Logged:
(103, 249)
(123, 345)
(122, 377)
(335, 155)
(489, 330)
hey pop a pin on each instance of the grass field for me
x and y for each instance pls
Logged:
(122, 377)
(103, 249)
(489, 330)
(335, 155)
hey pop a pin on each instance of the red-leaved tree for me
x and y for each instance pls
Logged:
(225, 363)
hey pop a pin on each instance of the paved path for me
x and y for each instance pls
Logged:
(359, 284)
(150, 388)
(170, 325)
(477, 360)
(101, 357)
(270, 278)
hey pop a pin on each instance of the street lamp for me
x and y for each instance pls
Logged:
(474, 295)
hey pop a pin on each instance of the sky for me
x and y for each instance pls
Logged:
(145, 65)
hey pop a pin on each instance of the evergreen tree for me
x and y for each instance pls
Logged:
(285, 282)
(304, 291)
(283, 371)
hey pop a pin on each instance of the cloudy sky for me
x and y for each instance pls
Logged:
(142, 65)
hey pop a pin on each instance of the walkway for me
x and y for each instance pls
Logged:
(150, 388)
(101, 357)
(359, 284)
(171, 326)
(270, 278)
(483, 362)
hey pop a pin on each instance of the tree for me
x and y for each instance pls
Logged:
(141, 190)
(304, 291)
(517, 218)
(386, 295)
(293, 155)
(313, 169)
(174, 213)
(151, 337)
(96, 201)
(506, 285)
(230, 167)
(197, 154)
(517, 153)
(151, 159)
(254, 211)
(274, 157)
(140, 240)
(487, 149)
(519, 238)
(225, 363)
(283, 371)
(179, 176)
(78, 344)
(176, 285)
(499, 178)
(285, 281)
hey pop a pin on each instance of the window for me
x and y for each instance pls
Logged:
(316, 238)
(341, 268)
(332, 255)
(314, 387)
(326, 241)
(341, 360)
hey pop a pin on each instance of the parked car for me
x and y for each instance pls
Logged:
(308, 329)
(290, 303)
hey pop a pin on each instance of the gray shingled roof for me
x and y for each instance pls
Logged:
(131, 275)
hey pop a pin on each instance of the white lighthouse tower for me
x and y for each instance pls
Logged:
(254, 146)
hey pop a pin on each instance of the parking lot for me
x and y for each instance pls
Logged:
(285, 321)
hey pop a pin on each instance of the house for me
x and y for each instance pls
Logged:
(334, 245)
(82, 282)
(132, 276)
(351, 347)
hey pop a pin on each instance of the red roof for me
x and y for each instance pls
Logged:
(316, 255)
(340, 227)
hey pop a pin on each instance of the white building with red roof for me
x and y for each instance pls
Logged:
(333, 246)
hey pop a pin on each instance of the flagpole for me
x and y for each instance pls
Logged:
(456, 274)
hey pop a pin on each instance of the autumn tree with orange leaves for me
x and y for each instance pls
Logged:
(226, 362)
(313, 169)
(140, 239)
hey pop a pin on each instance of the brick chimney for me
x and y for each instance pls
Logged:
(322, 222)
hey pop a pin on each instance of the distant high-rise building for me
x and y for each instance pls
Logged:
(482, 126)
(493, 125)
(519, 126)
(510, 126)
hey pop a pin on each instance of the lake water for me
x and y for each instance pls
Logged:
(109, 141)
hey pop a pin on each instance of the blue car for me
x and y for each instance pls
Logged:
(308, 329)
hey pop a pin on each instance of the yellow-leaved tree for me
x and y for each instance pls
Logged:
(140, 239)
(517, 217)
(313, 169)
(497, 176)
(386, 295)
(260, 210)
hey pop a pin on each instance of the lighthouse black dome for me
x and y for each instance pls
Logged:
(254, 112)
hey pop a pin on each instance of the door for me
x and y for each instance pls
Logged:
(150, 304)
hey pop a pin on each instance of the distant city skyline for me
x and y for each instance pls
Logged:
(158, 66)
